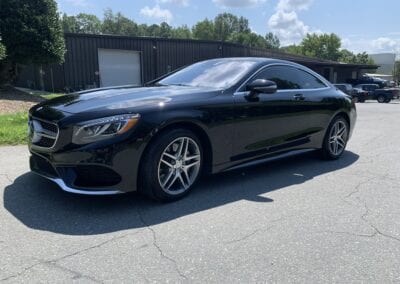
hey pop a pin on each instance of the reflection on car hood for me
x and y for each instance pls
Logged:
(127, 98)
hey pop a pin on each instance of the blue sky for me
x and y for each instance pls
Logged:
(363, 25)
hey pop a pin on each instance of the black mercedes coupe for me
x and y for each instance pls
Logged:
(209, 117)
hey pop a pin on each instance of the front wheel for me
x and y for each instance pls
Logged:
(335, 140)
(171, 165)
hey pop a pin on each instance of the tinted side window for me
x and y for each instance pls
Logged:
(287, 77)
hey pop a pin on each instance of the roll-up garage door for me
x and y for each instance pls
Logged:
(119, 67)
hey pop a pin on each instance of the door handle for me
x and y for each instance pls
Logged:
(299, 97)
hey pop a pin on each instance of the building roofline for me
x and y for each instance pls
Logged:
(282, 55)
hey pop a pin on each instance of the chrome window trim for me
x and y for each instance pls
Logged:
(323, 80)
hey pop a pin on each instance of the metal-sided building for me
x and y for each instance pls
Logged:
(107, 60)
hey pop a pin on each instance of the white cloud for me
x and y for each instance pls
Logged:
(371, 45)
(286, 24)
(177, 2)
(79, 3)
(238, 3)
(157, 13)
(294, 5)
(384, 43)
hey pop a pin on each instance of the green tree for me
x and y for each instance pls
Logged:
(363, 58)
(243, 25)
(117, 24)
(31, 31)
(347, 56)
(165, 30)
(324, 46)
(293, 49)
(182, 32)
(248, 39)
(272, 41)
(69, 24)
(204, 30)
(225, 25)
(153, 30)
(88, 23)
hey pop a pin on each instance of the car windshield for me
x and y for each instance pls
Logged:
(213, 73)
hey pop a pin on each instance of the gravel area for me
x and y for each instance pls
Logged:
(12, 101)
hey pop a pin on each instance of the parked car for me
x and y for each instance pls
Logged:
(209, 117)
(358, 95)
(345, 88)
(381, 95)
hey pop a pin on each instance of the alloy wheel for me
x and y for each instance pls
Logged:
(179, 165)
(338, 137)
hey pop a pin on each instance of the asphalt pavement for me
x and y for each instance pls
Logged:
(295, 220)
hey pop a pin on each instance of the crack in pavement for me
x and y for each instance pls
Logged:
(245, 237)
(352, 234)
(364, 217)
(259, 230)
(358, 186)
(77, 275)
(157, 246)
(21, 272)
(53, 262)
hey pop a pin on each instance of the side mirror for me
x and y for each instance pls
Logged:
(262, 86)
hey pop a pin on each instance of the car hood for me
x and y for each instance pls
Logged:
(134, 99)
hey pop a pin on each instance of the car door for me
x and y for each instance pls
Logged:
(280, 121)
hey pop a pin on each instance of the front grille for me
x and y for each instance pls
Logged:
(45, 142)
(42, 133)
(49, 126)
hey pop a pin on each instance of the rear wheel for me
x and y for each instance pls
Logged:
(171, 165)
(335, 140)
(381, 99)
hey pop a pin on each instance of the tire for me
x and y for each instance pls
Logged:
(381, 99)
(329, 150)
(171, 165)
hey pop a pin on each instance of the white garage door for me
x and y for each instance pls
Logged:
(119, 67)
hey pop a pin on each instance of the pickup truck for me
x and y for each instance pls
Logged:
(381, 95)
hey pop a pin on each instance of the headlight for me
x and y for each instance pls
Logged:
(103, 128)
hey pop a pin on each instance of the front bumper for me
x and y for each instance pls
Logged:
(66, 188)
(91, 170)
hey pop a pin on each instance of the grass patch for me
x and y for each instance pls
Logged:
(13, 128)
